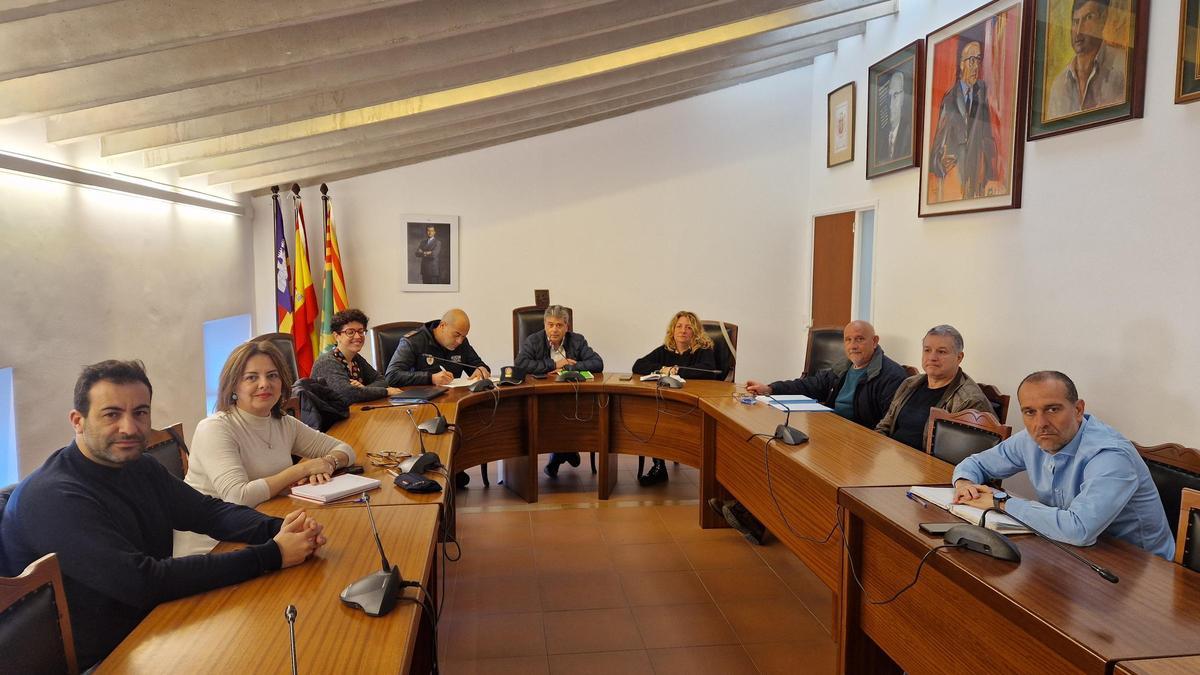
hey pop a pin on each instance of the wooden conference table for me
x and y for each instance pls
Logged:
(801, 493)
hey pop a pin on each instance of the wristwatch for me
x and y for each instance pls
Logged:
(999, 497)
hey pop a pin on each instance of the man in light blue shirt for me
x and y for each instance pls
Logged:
(1089, 479)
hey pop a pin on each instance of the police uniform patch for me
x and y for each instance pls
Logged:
(429, 359)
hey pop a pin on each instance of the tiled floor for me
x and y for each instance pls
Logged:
(632, 585)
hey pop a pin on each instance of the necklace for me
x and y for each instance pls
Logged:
(245, 425)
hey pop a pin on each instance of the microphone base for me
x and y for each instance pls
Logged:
(790, 435)
(670, 382)
(481, 385)
(434, 426)
(375, 594)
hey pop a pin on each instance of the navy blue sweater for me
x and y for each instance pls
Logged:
(111, 529)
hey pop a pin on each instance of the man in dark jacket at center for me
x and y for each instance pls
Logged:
(436, 353)
(555, 349)
(860, 389)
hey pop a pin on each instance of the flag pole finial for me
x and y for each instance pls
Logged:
(324, 190)
(296, 189)
(274, 190)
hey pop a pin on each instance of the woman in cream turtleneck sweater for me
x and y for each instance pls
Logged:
(242, 453)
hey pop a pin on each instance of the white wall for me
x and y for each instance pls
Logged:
(92, 275)
(699, 204)
(1095, 275)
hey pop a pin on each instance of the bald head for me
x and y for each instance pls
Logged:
(860, 341)
(453, 329)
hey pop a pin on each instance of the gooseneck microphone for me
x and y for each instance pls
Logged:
(423, 462)
(1104, 573)
(375, 593)
(290, 615)
(785, 433)
(434, 425)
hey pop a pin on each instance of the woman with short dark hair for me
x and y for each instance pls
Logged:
(343, 369)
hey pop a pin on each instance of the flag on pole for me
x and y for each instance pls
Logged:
(305, 316)
(333, 289)
(283, 272)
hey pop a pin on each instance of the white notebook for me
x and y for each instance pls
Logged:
(341, 486)
(944, 497)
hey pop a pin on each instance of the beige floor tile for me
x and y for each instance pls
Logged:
(779, 620)
(728, 554)
(475, 636)
(518, 665)
(635, 532)
(580, 590)
(567, 533)
(563, 558)
(489, 595)
(602, 663)
(648, 557)
(591, 630)
(709, 660)
(751, 583)
(784, 658)
(663, 588)
(481, 563)
(683, 625)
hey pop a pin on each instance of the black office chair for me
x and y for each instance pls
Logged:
(385, 337)
(35, 626)
(953, 437)
(999, 401)
(167, 446)
(1187, 553)
(5, 493)
(286, 345)
(825, 348)
(1173, 468)
(724, 349)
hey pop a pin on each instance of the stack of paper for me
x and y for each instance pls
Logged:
(340, 486)
(793, 403)
(943, 497)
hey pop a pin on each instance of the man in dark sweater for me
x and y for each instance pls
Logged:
(860, 389)
(108, 513)
(436, 353)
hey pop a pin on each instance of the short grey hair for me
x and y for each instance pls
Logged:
(557, 312)
(946, 330)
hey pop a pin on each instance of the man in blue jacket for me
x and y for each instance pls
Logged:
(556, 349)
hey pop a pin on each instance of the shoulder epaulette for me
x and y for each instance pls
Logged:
(412, 332)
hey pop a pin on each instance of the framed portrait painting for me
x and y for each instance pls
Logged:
(1187, 77)
(841, 126)
(1089, 64)
(893, 103)
(431, 252)
(973, 127)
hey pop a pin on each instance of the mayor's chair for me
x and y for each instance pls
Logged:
(1173, 468)
(724, 336)
(1187, 552)
(35, 627)
(825, 348)
(286, 345)
(167, 446)
(385, 337)
(998, 400)
(953, 437)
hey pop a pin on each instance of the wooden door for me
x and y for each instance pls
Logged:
(833, 269)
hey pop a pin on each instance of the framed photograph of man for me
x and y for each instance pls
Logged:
(1089, 64)
(841, 126)
(973, 126)
(1187, 76)
(893, 102)
(431, 249)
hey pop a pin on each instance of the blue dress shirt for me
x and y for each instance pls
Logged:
(1095, 484)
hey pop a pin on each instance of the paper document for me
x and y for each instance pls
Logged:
(797, 403)
(943, 497)
(341, 486)
(464, 381)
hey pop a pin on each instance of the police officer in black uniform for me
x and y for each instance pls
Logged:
(436, 353)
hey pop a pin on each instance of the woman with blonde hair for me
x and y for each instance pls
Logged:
(686, 351)
(242, 453)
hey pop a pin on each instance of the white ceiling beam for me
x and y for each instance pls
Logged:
(495, 88)
(129, 27)
(263, 52)
(345, 170)
(18, 10)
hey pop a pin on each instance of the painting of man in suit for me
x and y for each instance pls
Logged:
(963, 154)
(430, 247)
(895, 128)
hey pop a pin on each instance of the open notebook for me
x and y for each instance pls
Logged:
(943, 497)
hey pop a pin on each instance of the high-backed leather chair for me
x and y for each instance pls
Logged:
(167, 446)
(725, 350)
(999, 401)
(286, 345)
(1173, 468)
(953, 437)
(5, 493)
(1187, 553)
(531, 319)
(825, 348)
(385, 337)
(35, 627)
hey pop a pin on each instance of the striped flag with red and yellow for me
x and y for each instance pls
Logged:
(333, 290)
(306, 313)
